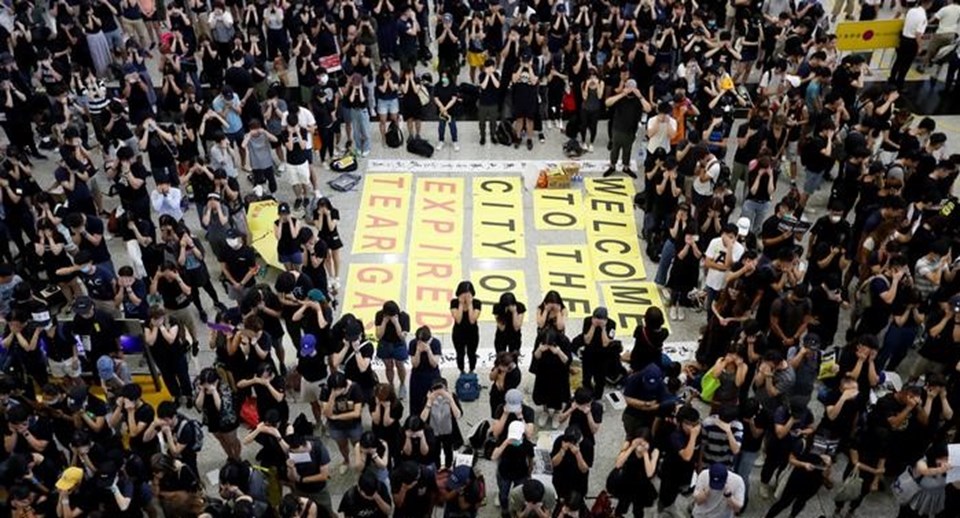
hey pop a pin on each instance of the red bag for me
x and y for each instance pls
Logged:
(602, 507)
(249, 414)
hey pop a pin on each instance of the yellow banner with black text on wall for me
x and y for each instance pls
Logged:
(870, 35)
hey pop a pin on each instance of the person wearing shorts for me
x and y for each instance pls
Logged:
(298, 160)
(387, 94)
(312, 367)
(342, 402)
(392, 328)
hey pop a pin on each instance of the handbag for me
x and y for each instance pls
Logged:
(851, 488)
(424, 95)
(249, 414)
(905, 487)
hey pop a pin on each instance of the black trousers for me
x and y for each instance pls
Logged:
(906, 53)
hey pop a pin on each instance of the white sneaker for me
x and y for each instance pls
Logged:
(549, 124)
(456, 146)
(554, 420)
(765, 491)
(342, 468)
(365, 153)
(673, 312)
(542, 419)
(439, 145)
(680, 315)
(403, 391)
(589, 148)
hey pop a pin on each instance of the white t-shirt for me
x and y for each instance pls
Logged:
(705, 188)
(661, 138)
(914, 23)
(949, 17)
(305, 120)
(715, 506)
(716, 252)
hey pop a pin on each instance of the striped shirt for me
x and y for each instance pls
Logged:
(716, 447)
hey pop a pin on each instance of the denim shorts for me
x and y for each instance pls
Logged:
(393, 351)
(340, 434)
(388, 106)
(812, 182)
(294, 258)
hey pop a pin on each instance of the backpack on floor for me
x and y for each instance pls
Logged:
(420, 147)
(468, 387)
(504, 134)
(344, 164)
(394, 137)
(573, 149)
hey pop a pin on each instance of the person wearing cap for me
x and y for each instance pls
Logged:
(626, 106)
(392, 326)
(599, 350)
(721, 254)
(238, 265)
(97, 329)
(718, 493)
(463, 486)
(100, 282)
(313, 315)
(514, 458)
(645, 395)
(312, 367)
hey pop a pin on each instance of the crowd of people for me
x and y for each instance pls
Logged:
(810, 311)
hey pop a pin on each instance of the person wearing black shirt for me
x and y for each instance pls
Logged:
(447, 99)
(312, 367)
(448, 48)
(215, 402)
(817, 159)
(370, 498)
(308, 469)
(775, 240)
(509, 315)
(572, 458)
(465, 310)
(134, 416)
(760, 184)
(598, 336)
(488, 103)
(626, 107)
(130, 177)
(750, 138)
(342, 405)
(239, 265)
(87, 233)
(413, 487)
(392, 328)
(680, 455)
(175, 293)
(514, 458)
(165, 340)
(270, 391)
(97, 330)
(178, 433)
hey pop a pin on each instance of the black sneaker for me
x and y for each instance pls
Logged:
(297, 203)
(609, 172)
(542, 138)
(483, 140)
(203, 317)
(529, 144)
(220, 306)
(195, 348)
(628, 172)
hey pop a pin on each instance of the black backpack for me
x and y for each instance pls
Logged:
(504, 135)
(420, 147)
(394, 137)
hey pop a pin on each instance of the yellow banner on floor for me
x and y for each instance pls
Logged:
(628, 302)
(260, 218)
(870, 35)
(558, 209)
(430, 287)
(498, 231)
(384, 213)
(610, 187)
(493, 283)
(437, 218)
(368, 286)
(616, 257)
(567, 269)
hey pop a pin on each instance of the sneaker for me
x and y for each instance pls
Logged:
(456, 146)
(439, 145)
(554, 420)
(609, 172)
(541, 138)
(529, 144)
(365, 153)
(680, 315)
(589, 148)
(297, 203)
(542, 419)
(342, 468)
(673, 312)
(549, 124)
(402, 393)
(628, 172)
(483, 140)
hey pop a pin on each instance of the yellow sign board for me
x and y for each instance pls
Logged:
(368, 286)
(490, 284)
(384, 214)
(870, 35)
(260, 218)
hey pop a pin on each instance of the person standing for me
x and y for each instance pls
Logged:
(718, 493)
(392, 326)
(488, 103)
(626, 108)
(465, 310)
(914, 26)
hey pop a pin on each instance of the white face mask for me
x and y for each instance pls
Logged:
(323, 79)
(234, 242)
(835, 219)
(89, 270)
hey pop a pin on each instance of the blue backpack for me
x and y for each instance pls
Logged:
(468, 387)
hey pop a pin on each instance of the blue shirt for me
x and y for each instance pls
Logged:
(99, 283)
(234, 123)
